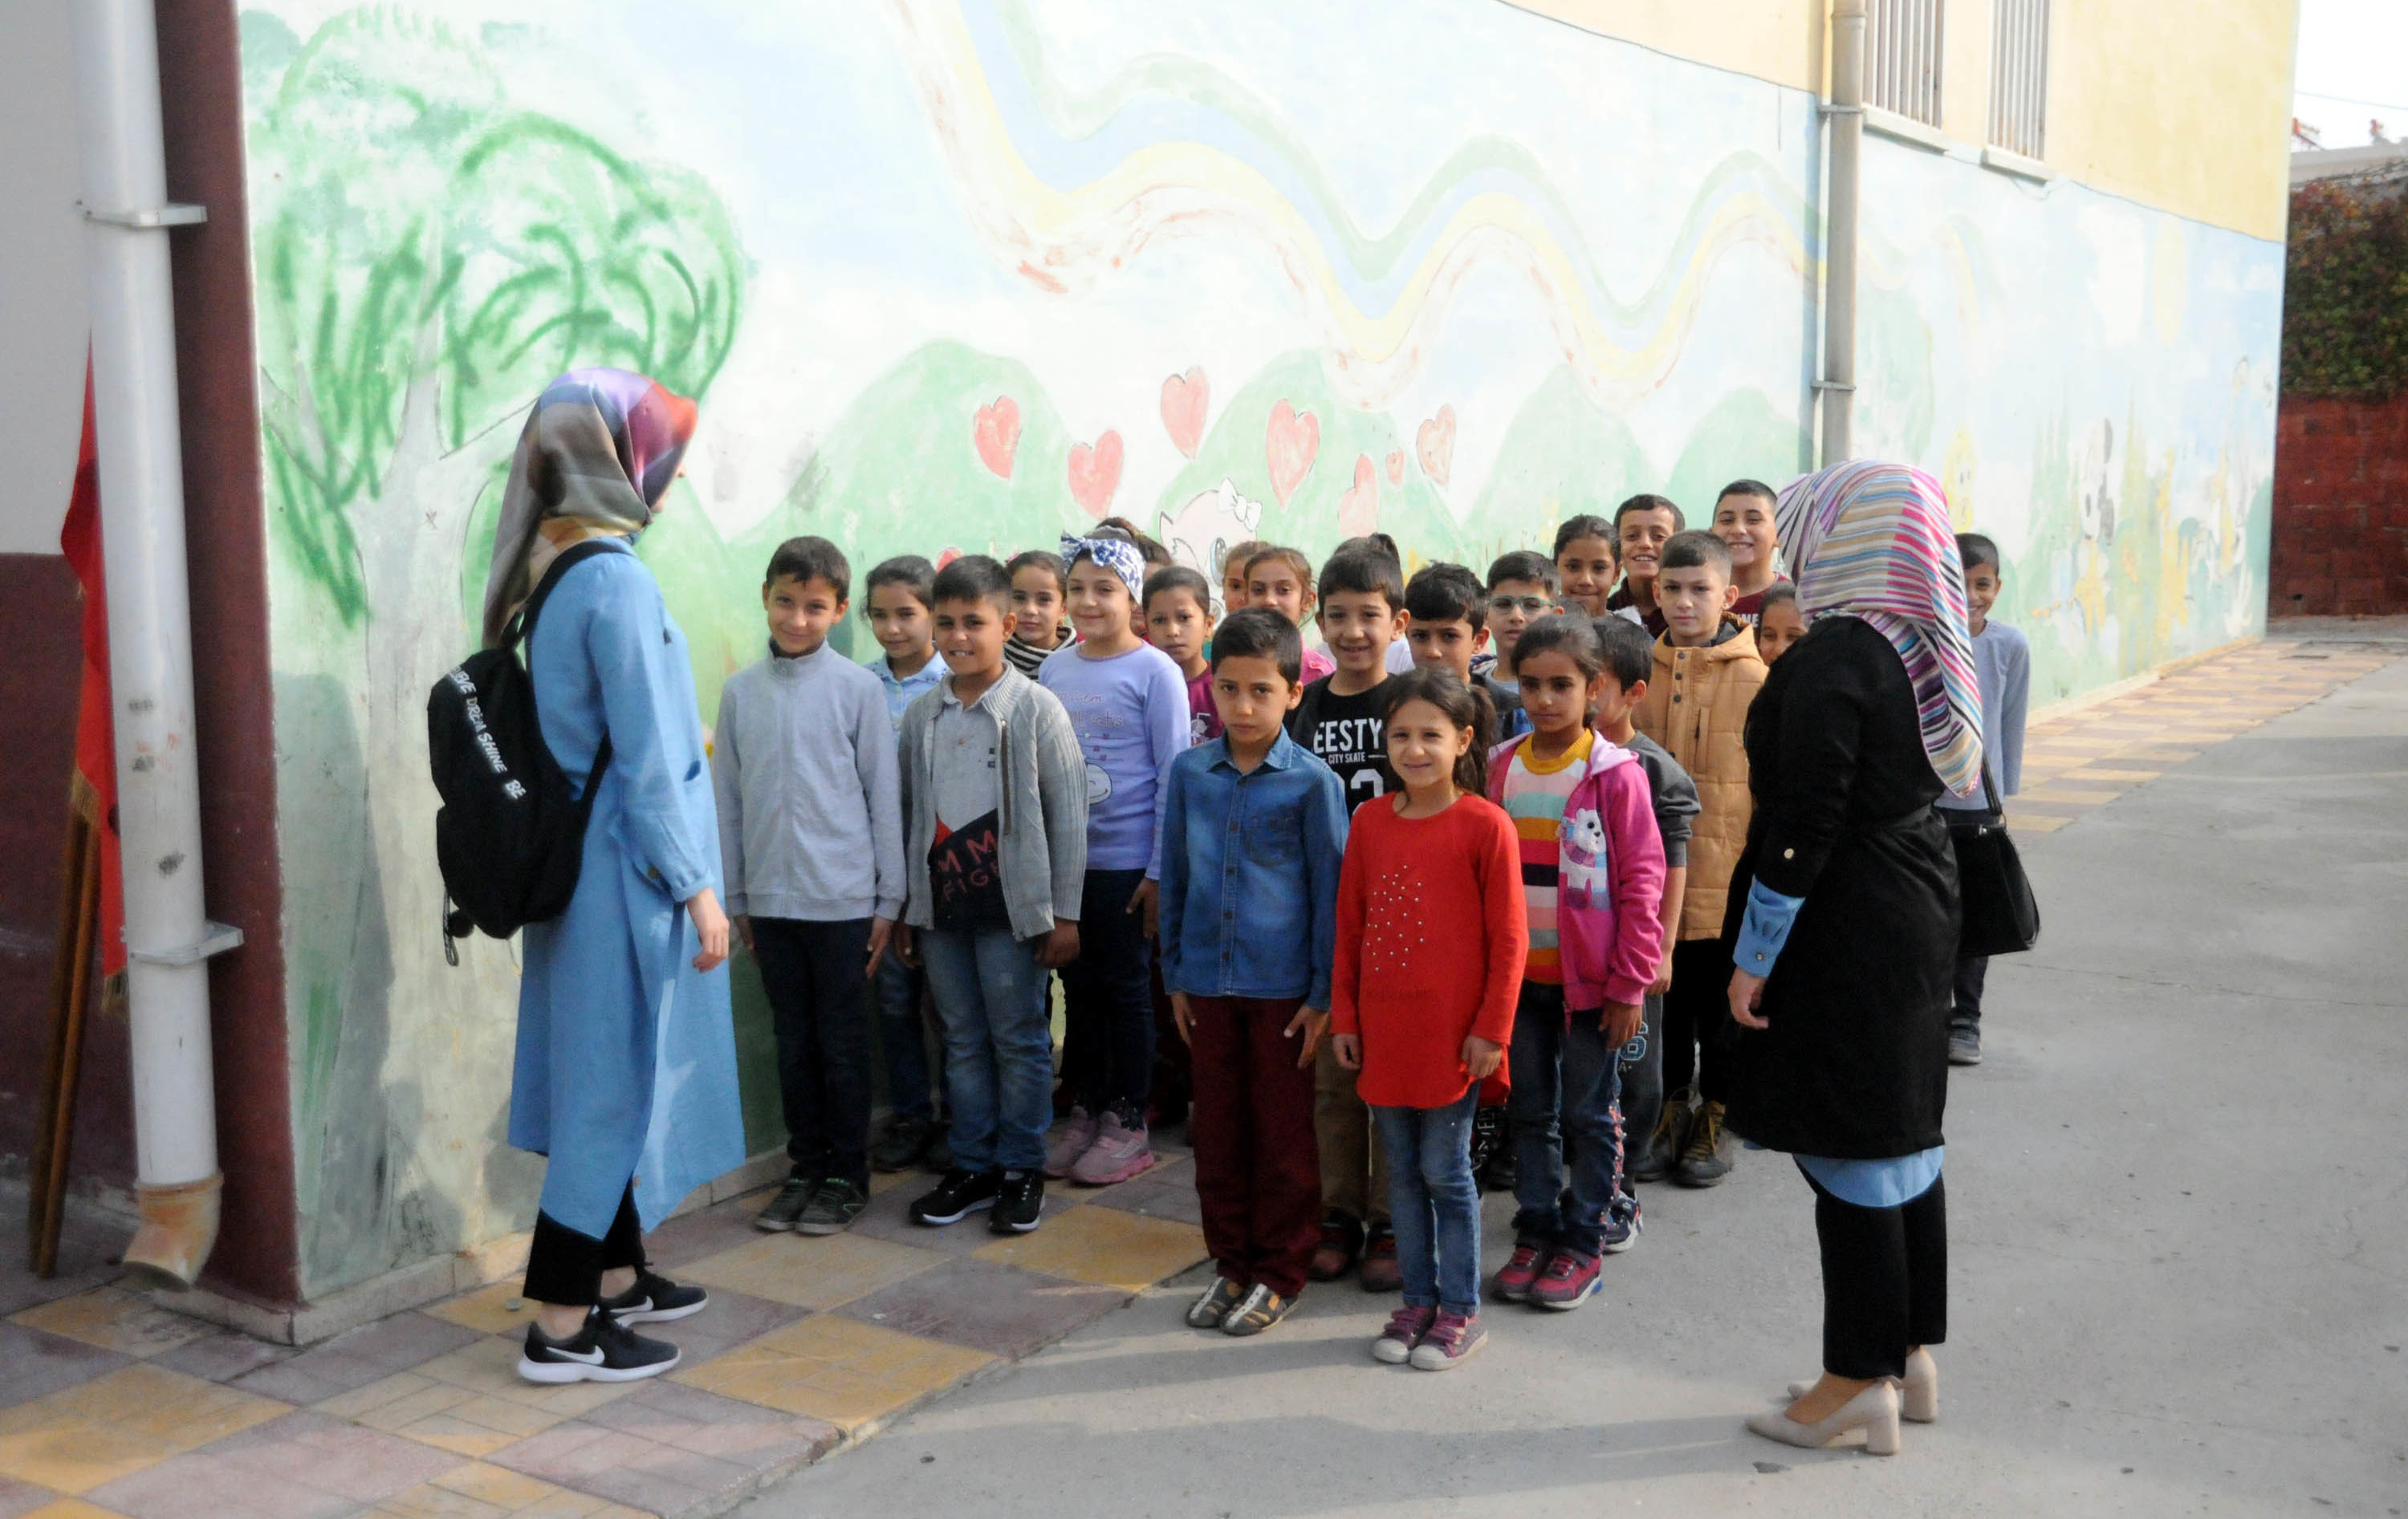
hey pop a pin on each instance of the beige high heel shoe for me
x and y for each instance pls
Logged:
(1918, 1395)
(1875, 1410)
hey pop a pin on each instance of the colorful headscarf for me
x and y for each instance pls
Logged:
(598, 451)
(1115, 554)
(1874, 541)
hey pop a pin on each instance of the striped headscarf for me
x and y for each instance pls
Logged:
(1873, 540)
(598, 451)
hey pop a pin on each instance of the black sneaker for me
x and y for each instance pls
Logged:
(1018, 1202)
(655, 1299)
(958, 1195)
(788, 1205)
(1965, 1045)
(832, 1208)
(906, 1141)
(604, 1349)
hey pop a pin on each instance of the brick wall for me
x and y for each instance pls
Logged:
(2340, 508)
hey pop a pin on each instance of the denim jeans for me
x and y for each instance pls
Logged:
(1433, 1202)
(999, 1045)
(1567, 1085)
(813, 974)
(1108, 997)
(901, 1040)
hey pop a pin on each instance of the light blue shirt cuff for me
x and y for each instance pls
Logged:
(1765, 928)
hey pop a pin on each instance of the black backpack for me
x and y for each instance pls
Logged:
(510, 834)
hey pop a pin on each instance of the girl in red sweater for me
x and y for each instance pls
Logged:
(1432, 933)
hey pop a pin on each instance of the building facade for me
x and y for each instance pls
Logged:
(959, 274)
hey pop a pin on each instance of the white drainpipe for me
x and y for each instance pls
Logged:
(168, 939)
(1846, 114)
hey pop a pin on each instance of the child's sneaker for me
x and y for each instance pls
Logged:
(1118, 1153)
(832, 1208)
(1070, 1140)
(602, 1350)
(1207, 1311)
(958, 1195)
(906, 1140)
(1516, 1277)
(1261, 1308)
(1965, 1045)
(1621, 1229)
(1406, 1327)
(1019, 1203)
(1569, 1280)
(1382, 1271)
(782, 1210)
(1450, 1340)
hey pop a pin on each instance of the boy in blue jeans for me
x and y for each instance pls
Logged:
(811, 837)
(899, 608)
(1252, 833)
(2002, 665)
(996, 798)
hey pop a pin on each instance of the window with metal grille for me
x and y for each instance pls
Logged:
(1902, 58)
(2019, 75)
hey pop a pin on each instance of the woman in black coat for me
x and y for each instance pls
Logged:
(1844, 930)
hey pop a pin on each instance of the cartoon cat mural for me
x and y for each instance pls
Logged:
(1199, 533)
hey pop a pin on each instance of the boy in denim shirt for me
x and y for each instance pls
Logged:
(1253, 831)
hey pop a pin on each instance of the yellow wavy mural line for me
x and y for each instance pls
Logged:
(1065, 240)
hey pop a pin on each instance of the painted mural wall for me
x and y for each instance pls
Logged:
(953, 277)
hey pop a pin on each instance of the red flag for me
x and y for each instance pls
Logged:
(94, 788)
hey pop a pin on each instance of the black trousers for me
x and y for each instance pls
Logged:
(565, 1267)
(1884, 1280)
(1698, 1034)
(1970, 973)
(817, 978)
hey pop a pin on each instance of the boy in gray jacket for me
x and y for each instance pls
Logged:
(810, 838)
(995, 791)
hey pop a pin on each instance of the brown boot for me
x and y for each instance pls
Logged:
(1381, 1270)
(1342, 1242)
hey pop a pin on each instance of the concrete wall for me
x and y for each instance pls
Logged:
(960, 275)
(2177, 107)
(41, 280)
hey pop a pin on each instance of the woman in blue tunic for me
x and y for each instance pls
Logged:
(625, 1074)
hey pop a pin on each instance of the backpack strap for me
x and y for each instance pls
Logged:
(521, 627)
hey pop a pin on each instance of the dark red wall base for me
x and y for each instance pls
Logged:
(2340, 508)
(40, 612)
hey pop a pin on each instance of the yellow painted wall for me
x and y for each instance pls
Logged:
(2183, 106)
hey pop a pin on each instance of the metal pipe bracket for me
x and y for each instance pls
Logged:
(154, 218)
(216, 938)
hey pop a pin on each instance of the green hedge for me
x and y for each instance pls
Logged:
(2345, 297)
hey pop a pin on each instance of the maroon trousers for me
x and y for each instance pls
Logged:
(1258, 1168)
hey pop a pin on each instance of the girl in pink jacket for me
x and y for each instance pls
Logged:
(1592, 875)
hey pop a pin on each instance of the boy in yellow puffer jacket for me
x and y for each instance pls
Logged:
(1707, 672)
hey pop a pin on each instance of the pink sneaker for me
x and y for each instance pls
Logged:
(1450, 1340)
(1070, 1140)
(1118, 1153)
(1406, 1326)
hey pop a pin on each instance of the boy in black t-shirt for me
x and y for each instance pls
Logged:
(1342, 720)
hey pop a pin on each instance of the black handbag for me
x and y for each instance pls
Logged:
(2001, 915)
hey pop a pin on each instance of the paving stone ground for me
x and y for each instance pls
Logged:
(112, 1405)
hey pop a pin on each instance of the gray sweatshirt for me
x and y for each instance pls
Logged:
(811, 818)
(1042, 815)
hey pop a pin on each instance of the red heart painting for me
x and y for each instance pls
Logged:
(1185, 400)
(995, 430)
(1096, 473)
(1396, 467)
(1289, 446)
(1359, 508)
(1436, 444)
